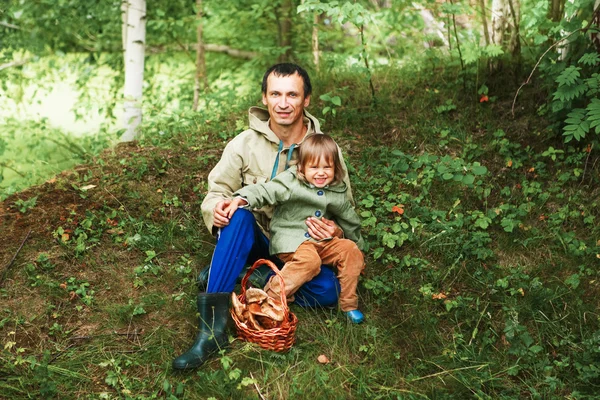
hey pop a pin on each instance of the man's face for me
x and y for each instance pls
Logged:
(285, 99)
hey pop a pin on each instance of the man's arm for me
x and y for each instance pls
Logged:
(224, 179)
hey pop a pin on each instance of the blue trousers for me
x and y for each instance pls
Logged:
(242, 242)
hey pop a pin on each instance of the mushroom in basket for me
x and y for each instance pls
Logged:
(260, 312)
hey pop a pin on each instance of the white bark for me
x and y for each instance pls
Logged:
(135, 42)
(500, 22)
(315, 40)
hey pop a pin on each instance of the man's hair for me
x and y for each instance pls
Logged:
(287, 69)
(315, 147)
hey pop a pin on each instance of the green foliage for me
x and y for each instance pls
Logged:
(332, 102)
(25, 205)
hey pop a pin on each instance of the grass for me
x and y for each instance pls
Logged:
(481, 277)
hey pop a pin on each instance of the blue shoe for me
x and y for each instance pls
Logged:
(355, 316)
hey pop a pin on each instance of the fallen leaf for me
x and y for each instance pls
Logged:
(72, 295)
(65, 237)
(322, 359)
(63, 285)
(87, 187)
(438, 296)
(483, 98)
(398, 209)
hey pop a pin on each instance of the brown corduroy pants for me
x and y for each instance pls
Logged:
(305, 263)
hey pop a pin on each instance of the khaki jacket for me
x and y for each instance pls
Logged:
(248, 159)
(294, 202)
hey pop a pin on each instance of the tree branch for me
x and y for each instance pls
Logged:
(6, 24)
(13, 259)
(229, 51)
(14, 64)
(535, 67)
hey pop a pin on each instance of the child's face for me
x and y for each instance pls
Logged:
(319, 172)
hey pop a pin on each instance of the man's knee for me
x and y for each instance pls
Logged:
(240, 217)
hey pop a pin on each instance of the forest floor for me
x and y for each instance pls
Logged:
(481, 280)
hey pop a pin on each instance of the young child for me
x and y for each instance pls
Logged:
(312, 188)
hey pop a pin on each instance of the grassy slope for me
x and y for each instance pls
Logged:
(484, 287)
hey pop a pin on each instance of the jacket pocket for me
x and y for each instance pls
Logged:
(253, 179)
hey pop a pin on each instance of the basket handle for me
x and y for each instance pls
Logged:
(269, 264)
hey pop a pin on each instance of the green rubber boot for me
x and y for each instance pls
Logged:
(214, 313)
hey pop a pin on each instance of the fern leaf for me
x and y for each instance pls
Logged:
(567, 93)
(589, 59)
(576, 125)
(593, 115)
(593, 85)
(569, 76)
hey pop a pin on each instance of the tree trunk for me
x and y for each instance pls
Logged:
(433, 29)
(514, 44)
(596, 21)
(484, 22)
(285, 30)
(556, 10)
(135, 41)
(500, 12)
(201, 79)
(315, 40)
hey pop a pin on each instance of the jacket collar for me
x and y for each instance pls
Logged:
(259, 121)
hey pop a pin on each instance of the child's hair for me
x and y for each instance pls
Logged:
(317, 146)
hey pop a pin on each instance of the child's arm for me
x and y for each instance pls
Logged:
(271, 193)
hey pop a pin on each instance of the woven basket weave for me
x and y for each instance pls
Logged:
(277, 339)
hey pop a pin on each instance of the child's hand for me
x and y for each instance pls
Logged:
(235, 204)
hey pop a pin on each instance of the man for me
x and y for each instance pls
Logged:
(256, 156)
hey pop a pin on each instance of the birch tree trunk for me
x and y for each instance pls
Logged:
(285, 30)
(315, 41)
(500, 12)
(135, 41)
(201, 79)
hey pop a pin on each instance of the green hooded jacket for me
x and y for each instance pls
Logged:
(296, 200)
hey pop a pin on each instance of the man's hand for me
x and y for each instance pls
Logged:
(320, 229)
(220, 214)
(225, 209)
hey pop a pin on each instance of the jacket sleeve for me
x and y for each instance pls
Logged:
(224, 179)
(350, 223)
(270, 193)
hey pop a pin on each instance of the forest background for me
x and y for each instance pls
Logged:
(471, 131)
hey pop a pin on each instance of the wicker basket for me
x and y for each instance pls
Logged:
(277, 339)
